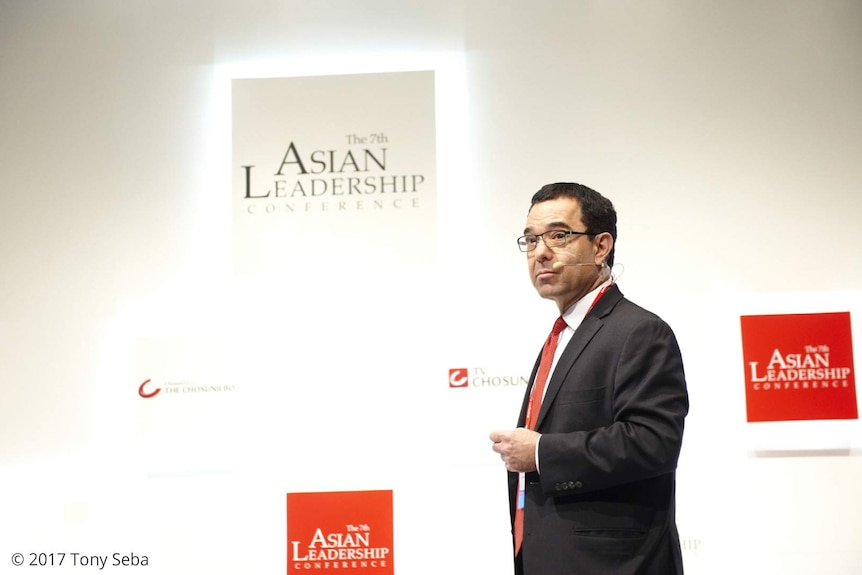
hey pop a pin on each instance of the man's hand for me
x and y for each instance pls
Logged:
(517, 448)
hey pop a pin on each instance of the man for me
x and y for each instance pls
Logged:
(592, 462)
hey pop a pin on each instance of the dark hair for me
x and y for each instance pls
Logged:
(597, 212)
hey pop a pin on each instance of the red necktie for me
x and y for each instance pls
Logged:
(533, 407)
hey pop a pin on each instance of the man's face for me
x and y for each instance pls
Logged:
(567, 284)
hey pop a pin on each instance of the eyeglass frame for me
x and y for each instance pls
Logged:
(525, 247)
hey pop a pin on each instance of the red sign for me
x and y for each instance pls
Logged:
(798, 366)
(340, 532)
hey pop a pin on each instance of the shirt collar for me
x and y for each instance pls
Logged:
(576, 314)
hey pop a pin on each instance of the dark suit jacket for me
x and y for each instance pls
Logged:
(611, 425)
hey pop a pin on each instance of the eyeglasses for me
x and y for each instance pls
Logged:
(552, 239)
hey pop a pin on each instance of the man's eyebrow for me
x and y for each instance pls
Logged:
(550, 226)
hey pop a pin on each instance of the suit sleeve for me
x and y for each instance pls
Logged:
(631, 428)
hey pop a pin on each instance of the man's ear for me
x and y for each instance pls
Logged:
(602, 244)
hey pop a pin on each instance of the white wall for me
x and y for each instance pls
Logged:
(727, 134)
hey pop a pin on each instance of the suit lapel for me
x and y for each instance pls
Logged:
(591, 325)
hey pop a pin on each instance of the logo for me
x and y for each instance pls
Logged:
(358, 143)
(798, 367)
(336, 179)
(146, 395)
(181, 387)
(340, 532)
(460, 377)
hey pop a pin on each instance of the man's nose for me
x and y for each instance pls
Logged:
(542, 250)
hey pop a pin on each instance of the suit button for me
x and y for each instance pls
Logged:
(577, 485)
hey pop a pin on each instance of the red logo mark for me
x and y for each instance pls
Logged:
(458, 377)
(144, 394)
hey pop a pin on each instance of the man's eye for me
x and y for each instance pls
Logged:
(558, 236)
